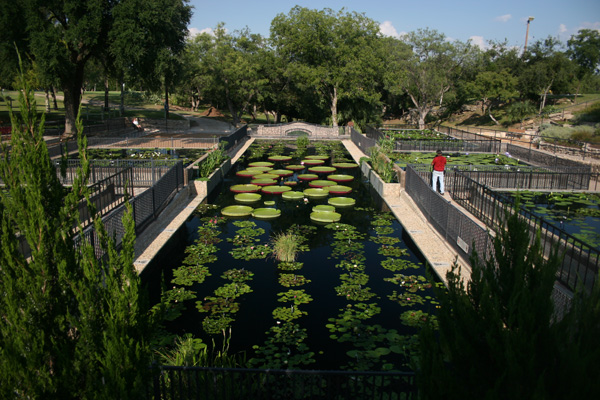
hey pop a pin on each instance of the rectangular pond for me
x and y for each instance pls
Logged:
(352, 299)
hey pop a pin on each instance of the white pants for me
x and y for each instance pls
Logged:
(437, 175)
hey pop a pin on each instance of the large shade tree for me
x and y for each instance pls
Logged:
(430, 70)
(330, 56)
(584, 50)
(62, 36)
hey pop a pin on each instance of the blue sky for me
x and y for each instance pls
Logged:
(479, 21)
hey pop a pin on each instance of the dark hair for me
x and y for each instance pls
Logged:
(439, 152)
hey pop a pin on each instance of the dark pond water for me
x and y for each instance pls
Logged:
(372, 329)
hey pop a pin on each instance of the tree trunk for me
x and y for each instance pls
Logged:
(544, 95)
(72, 98)
(334, 113)
(122, 101)
(47, 100)
(106, 90)
(166, 100)
(422, 109)
(53, 93)
(491, 116)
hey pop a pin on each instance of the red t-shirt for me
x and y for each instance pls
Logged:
(439, 162)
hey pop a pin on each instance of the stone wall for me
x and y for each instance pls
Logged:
(312, 130)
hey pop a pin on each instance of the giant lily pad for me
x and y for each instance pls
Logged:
(266, 213)
(265, 176)
(321, 183)
(263, 182)
(308, 177)
(237, 211)
(325, 216)
(322, 170)
(316, 192)
(323, 207)
(341, 201)
(340, 178)
(282, 172)
(276, 189)
(247, 197)
(245, 188)
(339, 189)
(280, 158)
(260, 164)
(292, 195)
(260, 169)
(295, 167)
(317, 157)
(248, 172)
(344, 165)
(312, 162)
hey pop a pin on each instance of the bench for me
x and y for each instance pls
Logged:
(517, 134)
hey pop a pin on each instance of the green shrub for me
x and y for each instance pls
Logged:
(286, 246)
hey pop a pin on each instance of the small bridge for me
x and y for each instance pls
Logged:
(296, 129)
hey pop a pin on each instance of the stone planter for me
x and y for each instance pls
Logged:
(204, 187)
(385, 190)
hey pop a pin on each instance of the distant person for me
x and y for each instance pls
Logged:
(136, 124)
(439, 164)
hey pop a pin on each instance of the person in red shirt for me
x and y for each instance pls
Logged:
(439, 164)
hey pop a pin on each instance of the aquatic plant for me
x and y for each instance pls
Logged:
(286, 246)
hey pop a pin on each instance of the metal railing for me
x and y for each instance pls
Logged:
(183, 383)
(579, 267)
(235, 138)
(362, 142)
(146, 208)
(458, 228)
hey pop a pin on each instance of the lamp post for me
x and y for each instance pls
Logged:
(527, 33)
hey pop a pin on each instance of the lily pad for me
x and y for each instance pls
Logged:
(323, 207)
(276, 189)
(317, 157)
(248, 173)
(308, 177)
(340, 178)
(261, 169)
(341, 201)
(245, 188)
(325, 216)
(292, 195)
(263, 182)
(316, 192)
(266, 213)
(312, 162)
(282, 172)
(265, 176)
(295, 167)
(321, 183)
(279, 158)
(322, 170)
(339, 189)
(237, 211)
(269, 203)
(247, 197)
(260, 164)
(344, 165)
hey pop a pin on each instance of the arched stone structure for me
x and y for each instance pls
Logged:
(313, 131)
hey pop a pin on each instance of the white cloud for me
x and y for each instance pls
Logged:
(503, 18)
(562, 28)
(387, 29)
(478, 41)
(590, 25)
(195, 31)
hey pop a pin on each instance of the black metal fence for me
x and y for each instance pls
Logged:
(235, 138)
(538, 157)
(146, 207)
(522, 177)
(459, 229)
(362, 142)
(448, 145)
(183, 383)
(580, 264)
(145, 172)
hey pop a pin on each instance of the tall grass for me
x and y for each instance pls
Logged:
(286, 246)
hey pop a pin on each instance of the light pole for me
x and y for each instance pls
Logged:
(527, 33)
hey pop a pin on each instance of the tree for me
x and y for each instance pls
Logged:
(499, 337)
(493, 88)
(431, 69)
(584, 50)
(330, 58)
(72, 326)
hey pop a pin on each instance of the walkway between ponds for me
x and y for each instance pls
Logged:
(438, 253)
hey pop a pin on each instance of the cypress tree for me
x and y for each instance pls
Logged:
(71, 326)
(499, 336)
